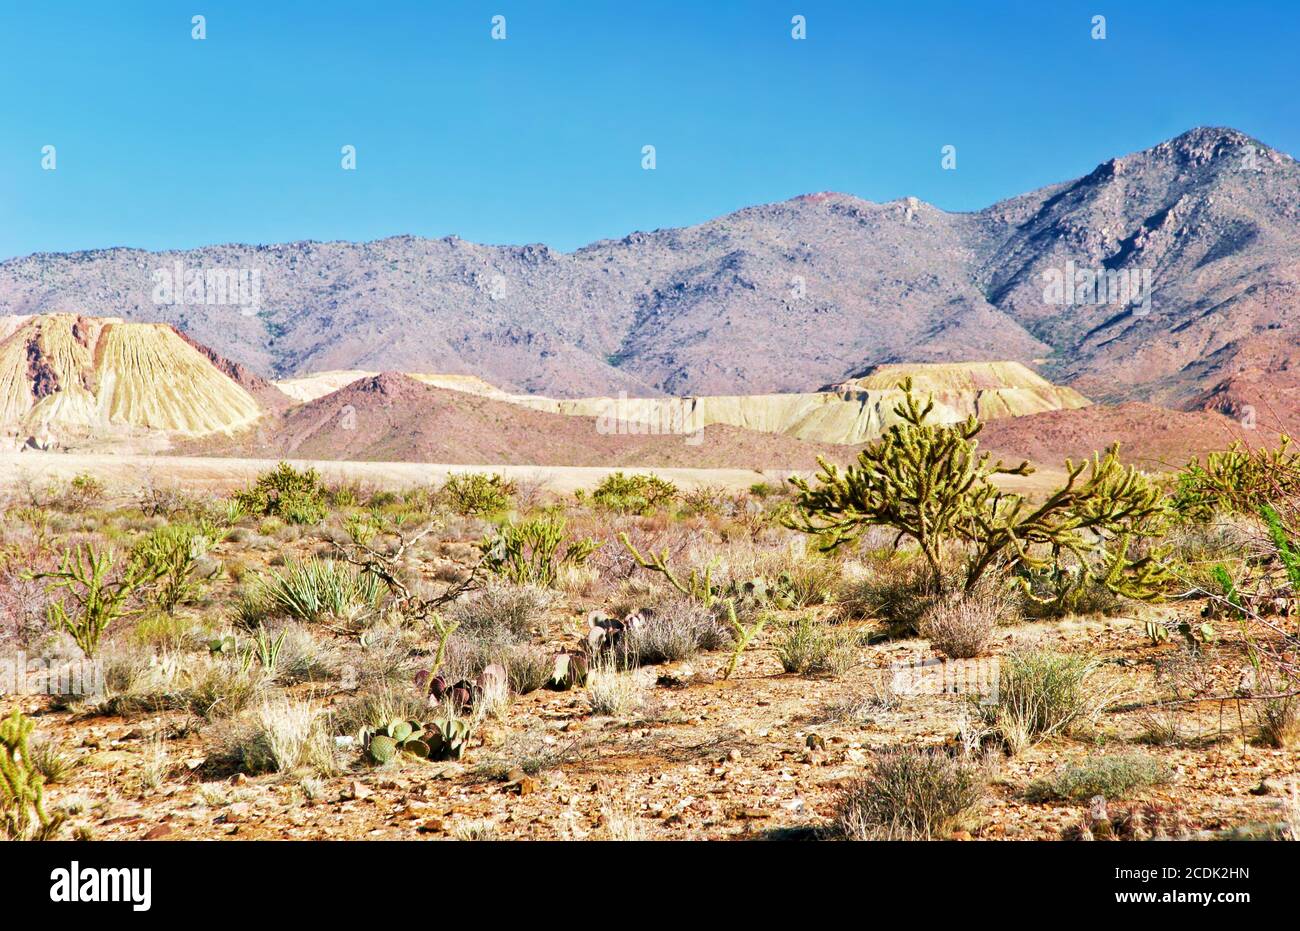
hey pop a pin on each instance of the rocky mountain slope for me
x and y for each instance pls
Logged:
(782, 297)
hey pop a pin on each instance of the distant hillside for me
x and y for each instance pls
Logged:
(392, 417)
(782, 297)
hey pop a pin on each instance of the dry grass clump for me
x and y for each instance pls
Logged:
(960, 624)
(1041, 693)
(613, 692)
(809, 647)
(220, 689)
(503, 609)
(282, 735)
(676, 629)
(910, 794)
(895, 590)
(1279, 722)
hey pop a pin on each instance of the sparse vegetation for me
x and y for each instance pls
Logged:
(1112, 776)
(909, 795)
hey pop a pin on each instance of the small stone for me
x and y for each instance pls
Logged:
(357, 790)
(1268, 786)
(735, 756)
(161, 831)
(816, 742)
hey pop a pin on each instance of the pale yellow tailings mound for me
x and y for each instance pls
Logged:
(64, 371)
(853, 412)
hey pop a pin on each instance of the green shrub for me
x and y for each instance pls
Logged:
(1112, 776)
(477, 494)
(530, 552)
(284, 492)
(84, 493)
(317, 588)
(928, 483)
(92, 600)
(633, 494)
(172, 554)
(807, 647)
(909, 794)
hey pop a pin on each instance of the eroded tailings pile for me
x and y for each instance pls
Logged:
(988, 390)
(69, 375)
(852, 412)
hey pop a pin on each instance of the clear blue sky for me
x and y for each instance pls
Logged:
(163, 141)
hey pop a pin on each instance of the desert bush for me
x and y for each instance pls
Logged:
(502, 608)
(91, 599)
(927, 482)
(1236, 480)
(909, 794)
(475, 494)
(376, 706)
(633, 494)
(528, 667)
(166, 632)
(611, 691)
(808, 647)
(1112, 776)
(22, 786)
(303, 658)
(960, 624)
(221, 688)
(675, 630)
(284, 492)
(172, 554)
(896, 592)
(83, 493)
(282, 735)
(318, 588)
(48, 759)
(530, 552)
(1278, 720)
(1041, 694)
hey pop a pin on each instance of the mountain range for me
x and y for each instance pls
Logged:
(785, 297)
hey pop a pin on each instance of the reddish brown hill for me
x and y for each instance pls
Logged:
(391, 417)
(1148, 436)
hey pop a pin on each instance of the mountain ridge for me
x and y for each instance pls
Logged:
(781, 297)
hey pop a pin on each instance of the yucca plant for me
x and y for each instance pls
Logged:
(317, 588)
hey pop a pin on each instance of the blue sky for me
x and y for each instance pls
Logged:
(163, 141)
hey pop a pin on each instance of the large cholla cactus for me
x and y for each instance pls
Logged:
(930, 483)
(22, 787)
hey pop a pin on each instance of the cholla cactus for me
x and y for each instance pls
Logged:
(930, 483)
(22, 788)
